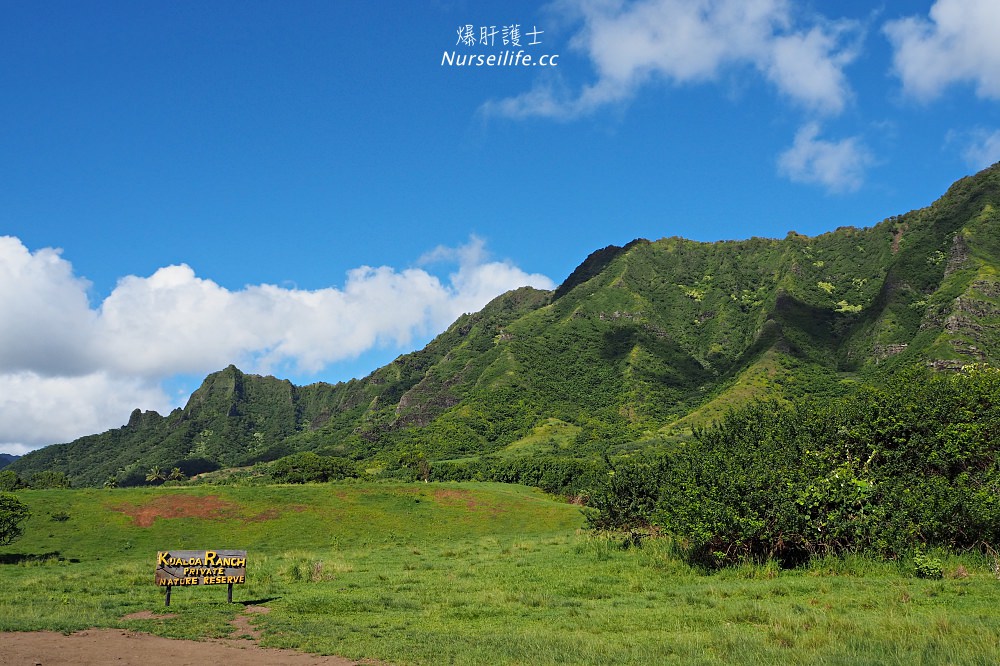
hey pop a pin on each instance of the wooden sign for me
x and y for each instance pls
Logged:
(201, 567)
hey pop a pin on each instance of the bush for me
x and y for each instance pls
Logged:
(627, 496)
(928, 567)
(736, 491)
(13, 513)
(891, 468)
(309, 467)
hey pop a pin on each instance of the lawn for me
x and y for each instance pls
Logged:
(472, 574)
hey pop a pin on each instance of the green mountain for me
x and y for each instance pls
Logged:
(638, 345)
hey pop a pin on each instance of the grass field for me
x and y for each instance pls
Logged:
(471, 574)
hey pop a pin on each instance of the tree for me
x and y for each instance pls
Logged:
(13, 512)
(308, 467)
(9, 481)
(415, 459)
(48, 479)
(155, 474)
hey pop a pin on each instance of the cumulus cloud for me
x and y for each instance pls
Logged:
(99, 362)
(838, 166)
(43, 307)
(957, 43)
(631, 44)
(36, 410)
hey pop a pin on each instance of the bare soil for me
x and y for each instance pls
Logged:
(97, 647)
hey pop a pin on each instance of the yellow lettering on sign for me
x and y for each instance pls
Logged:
(210, 557)
(161, 559)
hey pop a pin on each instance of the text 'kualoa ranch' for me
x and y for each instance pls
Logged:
(201, 567)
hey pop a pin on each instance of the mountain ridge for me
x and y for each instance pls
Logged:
(639, 344)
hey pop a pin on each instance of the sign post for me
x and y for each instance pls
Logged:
(201, 567)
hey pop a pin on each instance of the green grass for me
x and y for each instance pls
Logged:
(476, 574)
(551, 436)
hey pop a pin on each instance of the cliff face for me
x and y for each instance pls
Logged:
(640, 342)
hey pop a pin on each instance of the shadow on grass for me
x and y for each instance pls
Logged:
(25, 558)
(257, 602)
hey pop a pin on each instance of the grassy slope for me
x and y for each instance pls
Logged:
(473, 574)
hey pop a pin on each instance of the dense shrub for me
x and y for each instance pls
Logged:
(309, 467)
(48, 479)
(559, 475)
(627, 495)
(10, 481)
(910, 464)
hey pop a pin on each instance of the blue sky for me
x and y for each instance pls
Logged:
(309, 189)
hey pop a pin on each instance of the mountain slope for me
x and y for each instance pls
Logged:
(640, 342)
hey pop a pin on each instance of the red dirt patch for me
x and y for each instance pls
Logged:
(209, 507)
(461, 497)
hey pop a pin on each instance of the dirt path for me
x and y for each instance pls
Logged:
(97, 647)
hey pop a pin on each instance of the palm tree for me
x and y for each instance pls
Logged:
(155, 474)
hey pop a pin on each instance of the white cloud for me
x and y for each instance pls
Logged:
(689, 41)
(85, 368)
(36, 410)
(839, 166)
(808, 67)
(957, 44)
(43, 308)
(982, 147)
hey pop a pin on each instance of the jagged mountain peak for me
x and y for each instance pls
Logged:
(639, 343)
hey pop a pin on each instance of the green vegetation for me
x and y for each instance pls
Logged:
(474, 574)
(786, 451)
(891, 469)
(9, 481)
(640, 346)
(13, 513)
